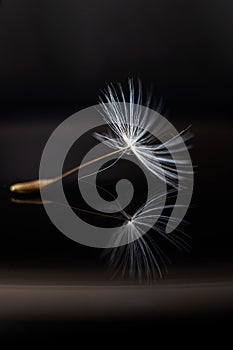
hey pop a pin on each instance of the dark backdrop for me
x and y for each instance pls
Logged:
(57, 53)
(55, 56)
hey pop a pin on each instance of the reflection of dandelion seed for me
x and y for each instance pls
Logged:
(143, 258)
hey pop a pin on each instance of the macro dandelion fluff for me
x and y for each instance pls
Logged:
(129, 124)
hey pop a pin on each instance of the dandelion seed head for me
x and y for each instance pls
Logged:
(129, 124)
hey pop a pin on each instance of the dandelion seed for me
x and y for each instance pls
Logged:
(129, 124)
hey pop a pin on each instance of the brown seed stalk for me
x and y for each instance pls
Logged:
(36, 185)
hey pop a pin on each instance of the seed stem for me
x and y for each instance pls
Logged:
(36, 185)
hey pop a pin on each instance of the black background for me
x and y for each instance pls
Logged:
(55, 56)
(60, 53)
